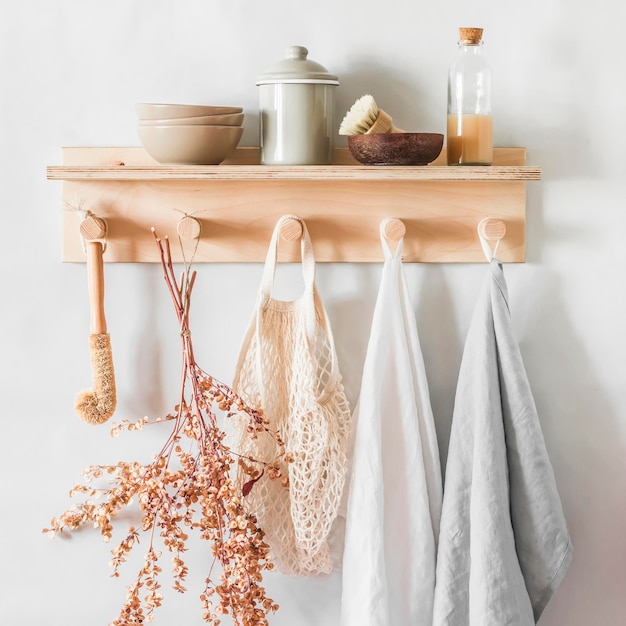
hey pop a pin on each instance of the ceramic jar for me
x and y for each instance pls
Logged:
(296, 111)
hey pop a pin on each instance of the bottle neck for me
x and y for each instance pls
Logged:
(471, 48)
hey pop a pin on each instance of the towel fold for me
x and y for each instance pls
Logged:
(504, 546)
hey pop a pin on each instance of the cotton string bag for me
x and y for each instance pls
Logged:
(395, 487)
(288, 367)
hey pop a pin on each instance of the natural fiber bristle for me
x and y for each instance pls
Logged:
(97, 406)
(382, 124)
(359, 119)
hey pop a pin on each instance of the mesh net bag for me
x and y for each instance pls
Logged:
(288, 368)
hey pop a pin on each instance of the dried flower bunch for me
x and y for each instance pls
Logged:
(184, 490)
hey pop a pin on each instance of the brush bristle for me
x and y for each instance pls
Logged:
(359, 119)
(97, 406)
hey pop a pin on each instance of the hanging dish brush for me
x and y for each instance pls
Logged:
(98, 405)
(365, 118)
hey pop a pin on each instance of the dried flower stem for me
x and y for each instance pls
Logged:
(181, 491)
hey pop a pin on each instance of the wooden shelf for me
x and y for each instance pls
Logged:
(239, 202)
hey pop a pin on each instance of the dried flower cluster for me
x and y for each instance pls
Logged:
(184, 490)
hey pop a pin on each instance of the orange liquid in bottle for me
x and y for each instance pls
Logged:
(470, 140)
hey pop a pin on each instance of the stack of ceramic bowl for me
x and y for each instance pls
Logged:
(191, 134)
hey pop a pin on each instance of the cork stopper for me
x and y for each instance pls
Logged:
(471, 36)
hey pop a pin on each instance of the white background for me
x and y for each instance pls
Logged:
(71, 72)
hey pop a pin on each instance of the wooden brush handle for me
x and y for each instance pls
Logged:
(95, 281)
(383, 124)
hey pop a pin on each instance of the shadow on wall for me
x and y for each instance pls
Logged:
(580, 427)
(442, 347)
(251, 130)
(556, 115)
(535, 222)
(351, 321)
(148, 395)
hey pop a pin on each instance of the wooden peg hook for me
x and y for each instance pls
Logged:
(492, 229)
(92, 228)
(189, 227)
(394, 229)
(291, 229)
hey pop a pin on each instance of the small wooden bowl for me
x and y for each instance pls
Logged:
(396, 148)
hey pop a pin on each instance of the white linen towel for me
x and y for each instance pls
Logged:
(504, 546)
(395, 491)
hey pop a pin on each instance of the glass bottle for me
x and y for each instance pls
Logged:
(470, 125)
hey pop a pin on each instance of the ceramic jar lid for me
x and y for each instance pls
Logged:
(296, 68)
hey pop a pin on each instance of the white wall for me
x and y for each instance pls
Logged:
(71, 72)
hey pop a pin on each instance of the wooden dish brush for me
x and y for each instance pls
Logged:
(98, 405)
(365, 118)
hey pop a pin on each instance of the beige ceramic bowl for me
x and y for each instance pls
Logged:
(189, 145)
(150, 111)
(232, 119)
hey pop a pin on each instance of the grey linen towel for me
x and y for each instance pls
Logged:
(504, 546)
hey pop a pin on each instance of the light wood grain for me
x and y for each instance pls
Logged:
(291, 230)
(394, 229)
(189, 227)
(93, 228)
(492, 229)
(135, 164)
(292, 172)
(95, 282)
(237, 206)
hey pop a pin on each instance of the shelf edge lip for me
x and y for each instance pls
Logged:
(244, 173)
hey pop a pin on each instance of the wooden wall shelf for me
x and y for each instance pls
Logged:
(238, 203)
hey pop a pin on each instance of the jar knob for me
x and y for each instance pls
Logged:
(297, 52)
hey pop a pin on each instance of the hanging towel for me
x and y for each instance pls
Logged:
(504, 546)
(395, 492)
(288, 368)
